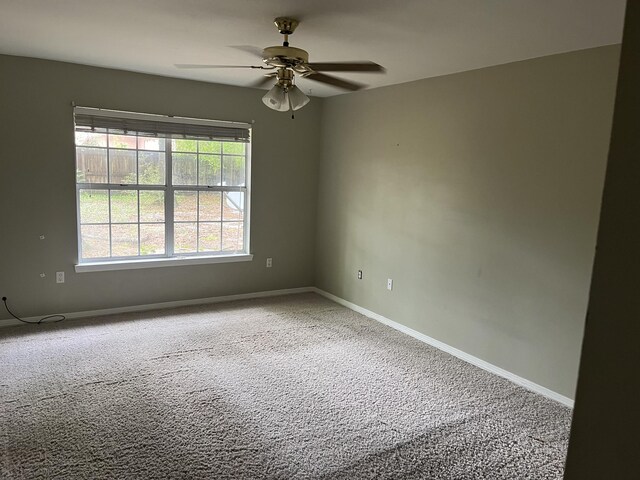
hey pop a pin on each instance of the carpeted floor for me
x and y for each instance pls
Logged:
(291, 387)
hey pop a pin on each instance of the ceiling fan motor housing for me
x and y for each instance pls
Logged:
(284, 57)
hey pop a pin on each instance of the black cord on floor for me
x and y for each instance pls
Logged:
(58, 318)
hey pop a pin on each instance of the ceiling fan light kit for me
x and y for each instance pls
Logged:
(285, 61)
(282, 100)
(285, 95)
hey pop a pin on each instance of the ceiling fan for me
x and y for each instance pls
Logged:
(284, 62)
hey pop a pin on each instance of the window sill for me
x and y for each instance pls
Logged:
(159, 262)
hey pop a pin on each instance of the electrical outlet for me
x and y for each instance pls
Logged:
(389, 284)
(359, 274)
(59, 277)
(269, 262)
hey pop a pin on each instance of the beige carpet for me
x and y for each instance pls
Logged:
(283, 388)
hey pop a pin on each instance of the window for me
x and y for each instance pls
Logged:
(152, 187)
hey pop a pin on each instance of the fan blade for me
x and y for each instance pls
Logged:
(263, 81)
(196, 65)
(336, 82)
(347, 67)
(255, 51)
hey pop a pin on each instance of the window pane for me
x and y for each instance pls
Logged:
(232, 236)
(185, 237)
(122, 141)
(94, 206)
(209, 208)
(151, 168)
(95, 241)
(184, 145)
(233, 171)
(124, 206)
(233, 148)
(209, 146)
(184, 169)
(209, 237)
(152, 239)
(91, 139)
(122, 166)
(209, 171)
(185, 206)
(151, 206)
(91, 165)
(151, 143)
(124, 240)
(233, 206)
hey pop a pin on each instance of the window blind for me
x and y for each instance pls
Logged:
(158, 125)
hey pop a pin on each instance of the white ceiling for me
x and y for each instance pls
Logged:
(413, 39)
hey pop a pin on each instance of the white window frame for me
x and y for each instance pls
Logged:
(169, 258)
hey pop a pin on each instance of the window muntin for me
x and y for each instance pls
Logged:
(162, 196)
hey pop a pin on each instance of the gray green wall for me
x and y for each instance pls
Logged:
(37, 189)
(478, 194)
(604, 441)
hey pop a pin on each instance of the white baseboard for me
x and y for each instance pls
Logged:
(163, 305)
(478, 362)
